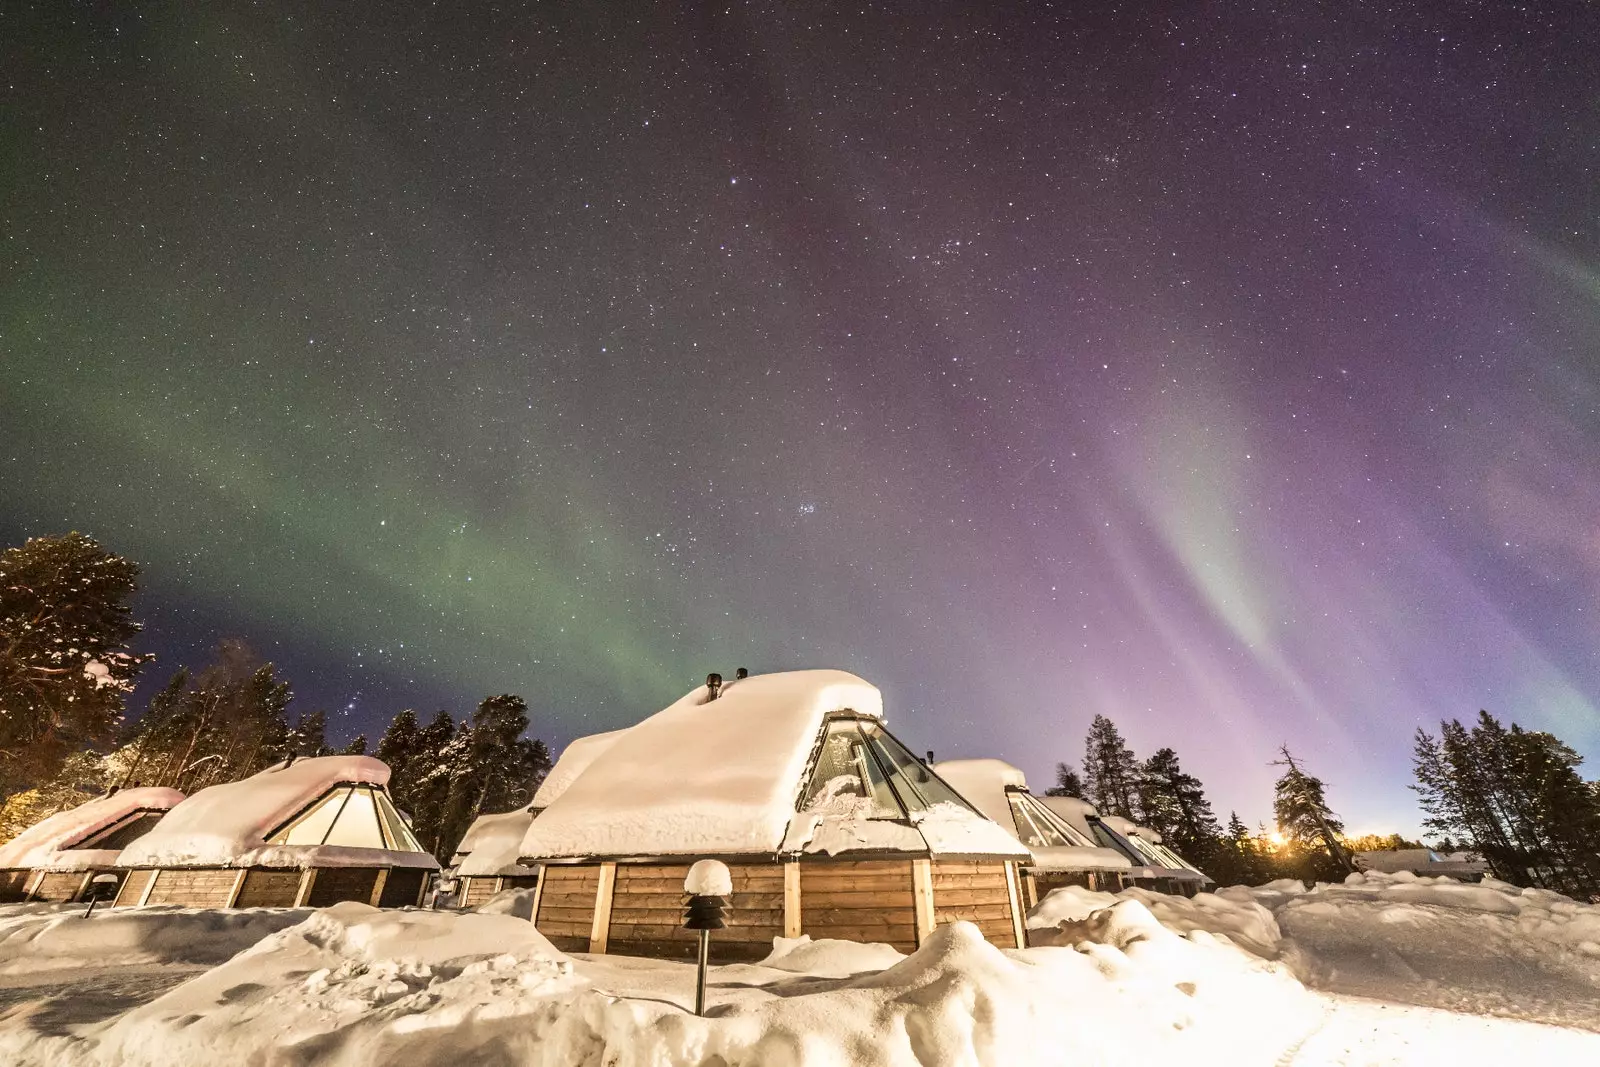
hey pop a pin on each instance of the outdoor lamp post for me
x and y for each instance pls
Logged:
(101, 886)
(707, 885)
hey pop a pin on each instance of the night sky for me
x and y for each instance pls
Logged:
(1231, 369)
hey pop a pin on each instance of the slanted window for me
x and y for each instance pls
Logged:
(122, 832)
(1038, 826)
(351, 816)
(860, 759)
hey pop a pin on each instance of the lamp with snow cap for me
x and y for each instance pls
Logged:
(708, 884)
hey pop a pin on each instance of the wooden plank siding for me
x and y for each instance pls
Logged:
(861, 900)
(14, 884)
(133, 888)
(977, 891)
(265, 888)
(647, 909)
(59, 887)
(479, 889)
(566, 905)
(404, 887)
(333, 885)
(193, 887)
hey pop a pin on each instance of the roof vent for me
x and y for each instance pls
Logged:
(741, 674)
(713, 686)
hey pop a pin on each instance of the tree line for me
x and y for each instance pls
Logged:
(1514, 797)
(66, 673)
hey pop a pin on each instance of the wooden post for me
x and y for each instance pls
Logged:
(499, 883)
(238, 884)
(377, 886)
(600, 929)
(38, 879)
(1030, 889)
(791, 899)
(1017, 926)
(538, 892)
(83, 886)
(149, 887)
(116, 900)
(303, 894)
(922, 896)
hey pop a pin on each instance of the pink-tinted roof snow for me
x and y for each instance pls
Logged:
(227, 825)
(45, 843)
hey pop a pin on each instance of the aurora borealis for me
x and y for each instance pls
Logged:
(1226, 369)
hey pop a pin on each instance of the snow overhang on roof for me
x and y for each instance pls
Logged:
(227, 825)
(492, 845)
(575, 759)
(48, 843)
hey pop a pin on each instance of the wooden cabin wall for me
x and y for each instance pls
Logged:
(566, 906)
(133, 887)
(859, 900)
(403, 888)
(59, 887)
(478, 890)
(14, 885)
(647, 910)
(333, 885)
(265, 888)
(977, 891)
(193, 887)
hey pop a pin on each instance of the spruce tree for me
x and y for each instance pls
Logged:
(1068, 784)
(1306, 820)
(356, 747)
(1173, 803)
(1110, 771)
(65, 624)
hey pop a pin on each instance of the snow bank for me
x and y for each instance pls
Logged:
(491, 845)
(48, 843)
(35, 938)
(352, 986)
(1487, 948)
(702, 776)
(227, 825)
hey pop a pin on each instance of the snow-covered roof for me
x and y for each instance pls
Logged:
(492, 845)
(723, 777)
(1129, 828)
(575, 759)
(227, 825)
(985, 783)
(1074, 811)
(48, 843)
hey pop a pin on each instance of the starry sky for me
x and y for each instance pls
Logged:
(1230, 369)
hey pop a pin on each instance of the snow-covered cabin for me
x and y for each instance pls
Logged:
(1062, 854)
(486, 860)
(1154, 865)
(1424, 862)
(309, 832)
(55, 858)
(830, 826)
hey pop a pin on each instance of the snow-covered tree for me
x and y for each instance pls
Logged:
(1110, 771)
(65, 669)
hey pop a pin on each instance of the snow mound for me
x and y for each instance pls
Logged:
(829, 957)
(35, 938)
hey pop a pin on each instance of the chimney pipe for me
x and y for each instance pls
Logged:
(713, 686)
(741, 674)
(930, 756)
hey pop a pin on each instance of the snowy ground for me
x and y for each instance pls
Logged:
(1132, 979)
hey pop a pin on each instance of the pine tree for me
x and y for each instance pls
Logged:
(1110, 771)
(65, 624)
(1305, 818)
(423, 790)
(1236, 860)
(356, 747)
(82, 778)
(1068, 784)
(226, 723)
(1173, 803)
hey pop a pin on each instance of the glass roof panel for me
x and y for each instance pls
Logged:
(846, 780)
(918, 787)
(357, 824)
